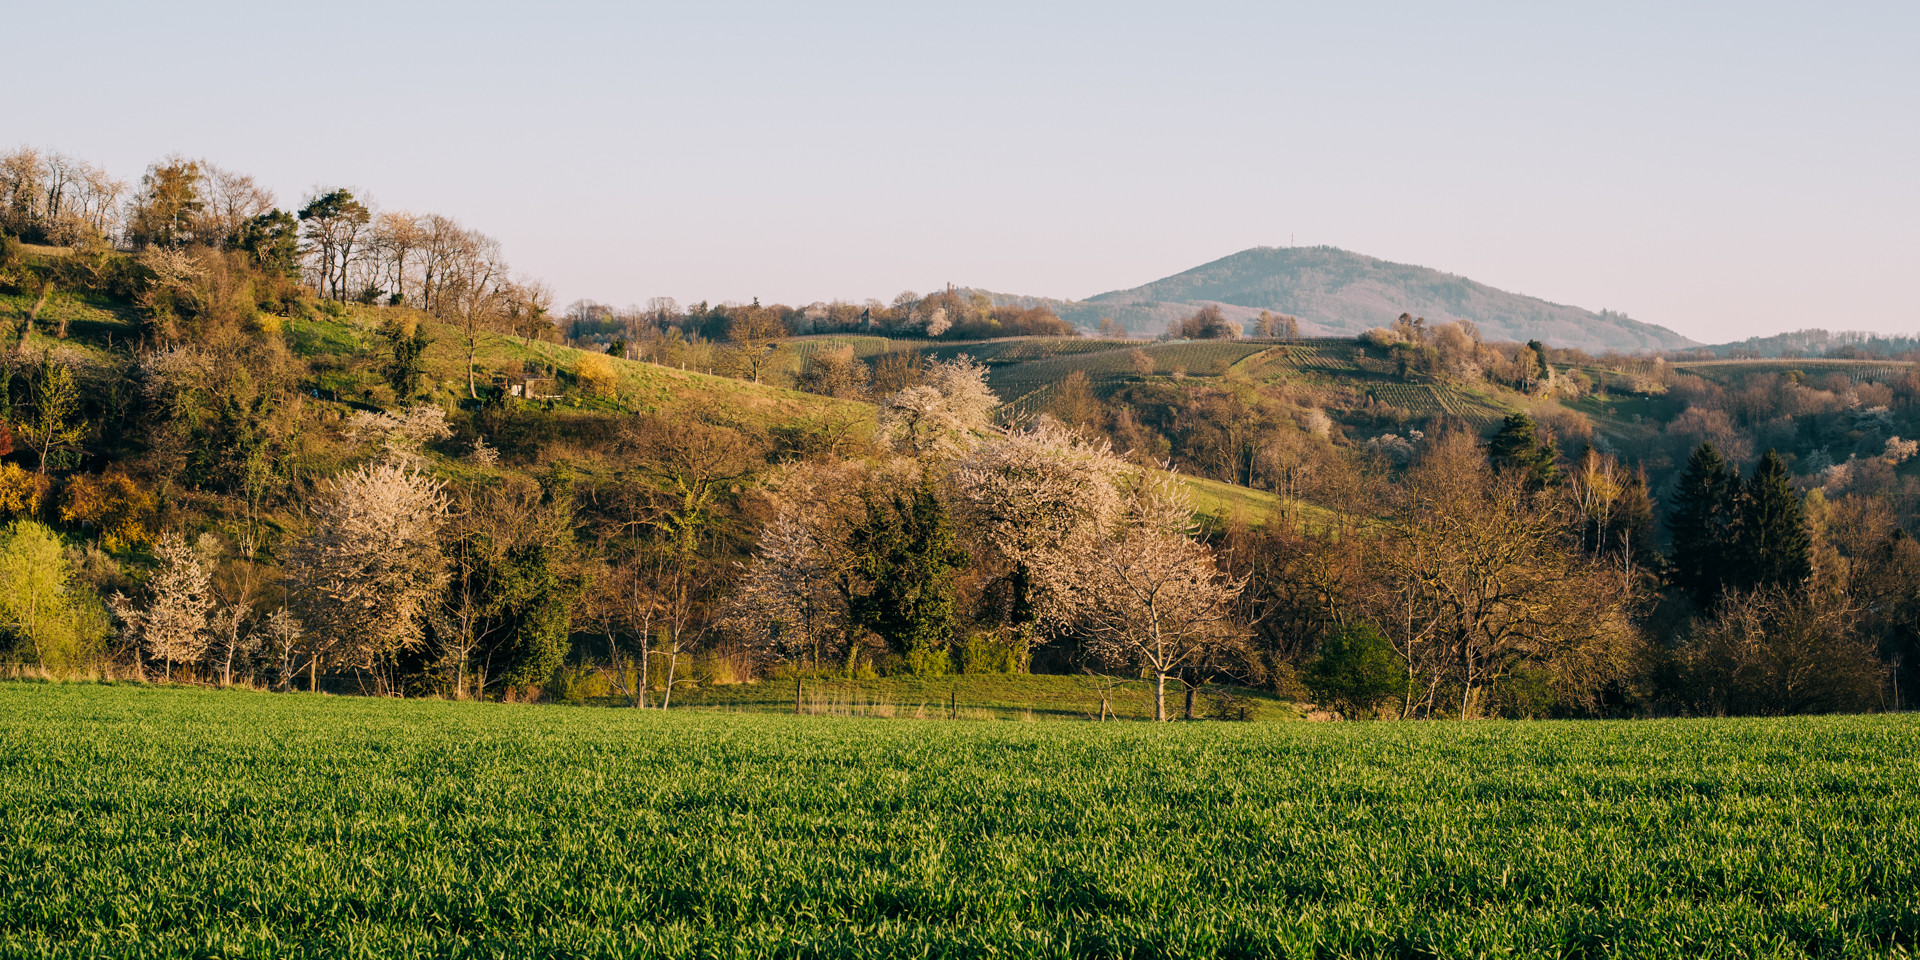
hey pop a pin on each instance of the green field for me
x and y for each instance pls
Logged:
(173, 823)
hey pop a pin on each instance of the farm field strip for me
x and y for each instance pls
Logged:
(186, 823)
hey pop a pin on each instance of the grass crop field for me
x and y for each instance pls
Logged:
(154, 822)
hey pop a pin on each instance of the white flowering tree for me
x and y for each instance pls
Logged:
(1029, 495)
(943, 416)
(1143, 591)
(366, 575)
(173, 627)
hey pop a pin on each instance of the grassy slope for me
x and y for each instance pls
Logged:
(976, 696)
(176, 823)
(644, 387)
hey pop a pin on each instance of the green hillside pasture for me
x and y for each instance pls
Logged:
(1107, 369)
(643, 387)
(190, 823)
(1733, 371)
(93, 321)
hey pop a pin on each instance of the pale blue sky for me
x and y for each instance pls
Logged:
(1723, 169)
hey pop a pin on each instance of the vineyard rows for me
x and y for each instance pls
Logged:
(1110, 367)
(1430, 400)
(1862, 371)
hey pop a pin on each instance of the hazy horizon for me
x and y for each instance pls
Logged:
(1724, 173)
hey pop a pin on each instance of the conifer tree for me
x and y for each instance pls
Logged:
(1701, 521)
(1771, 544)
(906, 554)
(1518, 447)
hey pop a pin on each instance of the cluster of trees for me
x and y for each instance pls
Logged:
(189, 503)
(663, 331)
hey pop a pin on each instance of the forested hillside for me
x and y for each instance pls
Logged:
(326, 446)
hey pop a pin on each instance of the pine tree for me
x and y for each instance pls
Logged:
(1701, 520)
(1771, 543)
(1518, 447)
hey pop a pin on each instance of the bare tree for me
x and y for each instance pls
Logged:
(1480, 578)
(283, 636)
(232, 199)
(473, 292)
(755, 333)
(399, 236)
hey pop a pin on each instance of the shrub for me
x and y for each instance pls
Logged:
(112, 504)
(596, 376)
(21, 491)
(1356, 671)
(992, 652)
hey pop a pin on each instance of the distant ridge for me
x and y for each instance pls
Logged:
(1822, 343)
(1337, 292)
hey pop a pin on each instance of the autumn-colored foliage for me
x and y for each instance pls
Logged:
(112, 504)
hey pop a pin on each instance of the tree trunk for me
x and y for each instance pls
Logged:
(796, 694)
(472, 394)
(673, 668)
(646, 674)
(1190, 696)
(1160, 696)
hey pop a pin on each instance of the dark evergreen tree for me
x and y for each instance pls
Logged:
(273, 239)
(1630, 528)
(1771, 545)
(1539, 359)
(532, 591)
(406, 360)
(1518, 447)
(902, 585)
(1701, 520)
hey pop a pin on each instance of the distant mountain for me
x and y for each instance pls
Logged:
(1335, 292)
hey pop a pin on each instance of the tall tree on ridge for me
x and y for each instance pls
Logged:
(1770, 540)
(1705, 506)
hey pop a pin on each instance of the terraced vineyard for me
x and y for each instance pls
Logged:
(1026, 349)
(864, 347)
(1109, 368)
(1424, 400)
(1733, 371)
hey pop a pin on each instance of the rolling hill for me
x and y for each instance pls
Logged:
(1336, 292)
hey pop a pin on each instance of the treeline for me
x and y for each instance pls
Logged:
(638, 331)
(1827, 344)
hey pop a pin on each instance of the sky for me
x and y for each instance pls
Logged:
(1723, 169)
